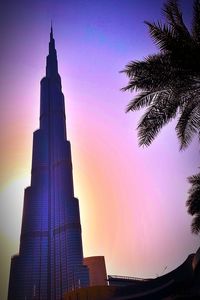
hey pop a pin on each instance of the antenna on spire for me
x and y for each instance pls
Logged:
(51, 34)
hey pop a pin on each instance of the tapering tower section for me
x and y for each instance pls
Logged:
(50, 259)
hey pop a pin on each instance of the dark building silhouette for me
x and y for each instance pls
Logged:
(97, 270)
(50, 259)
(181, 283)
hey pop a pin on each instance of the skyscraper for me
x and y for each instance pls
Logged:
(50, 259)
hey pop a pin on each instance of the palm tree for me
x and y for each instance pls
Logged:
(193, 202)
(169, 83)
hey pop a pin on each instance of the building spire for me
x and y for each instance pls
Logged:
(51, 33)
(52, 65)
(52, 41)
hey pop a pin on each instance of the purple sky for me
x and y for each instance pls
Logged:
(132, 200)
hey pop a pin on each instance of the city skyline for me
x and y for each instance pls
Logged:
(92, 50)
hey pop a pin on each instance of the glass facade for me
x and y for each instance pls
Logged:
(50, 259)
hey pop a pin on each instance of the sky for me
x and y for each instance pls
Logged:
(132, 199)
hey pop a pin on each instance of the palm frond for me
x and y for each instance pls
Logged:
(163, 110)
(144, 99)
(175, 19)
(194, 179)
(162, 35)
(193, 202)
(171, 11)
(132, 67)
(149, 64)
(196, 21)
(188, 123)
(155, 72)
(196, 224)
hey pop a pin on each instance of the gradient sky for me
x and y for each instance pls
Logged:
(132, 200)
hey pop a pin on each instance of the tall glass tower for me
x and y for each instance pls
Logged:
(50, 259)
